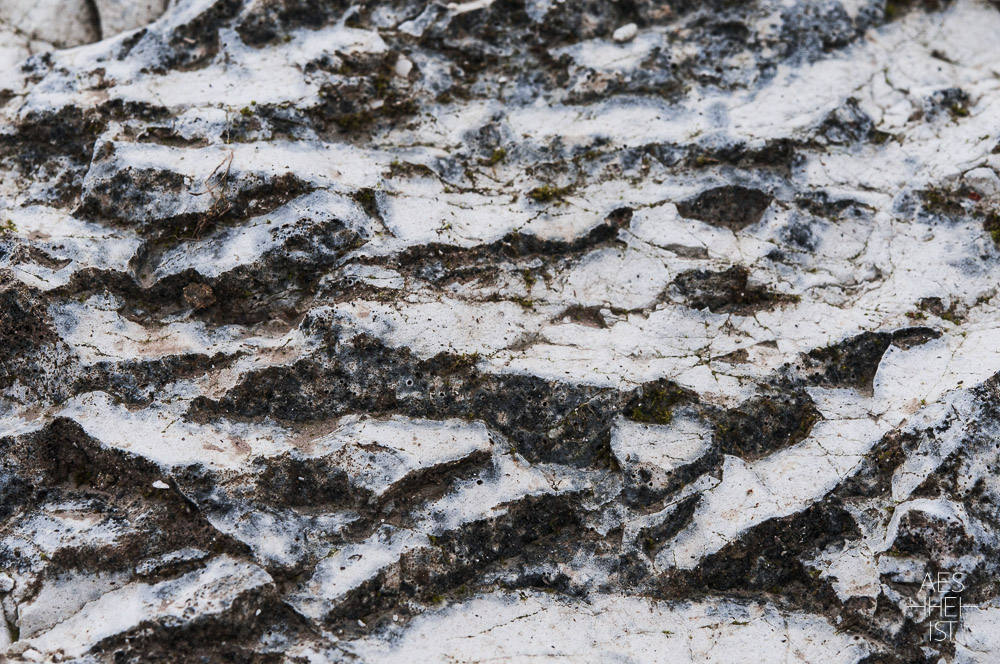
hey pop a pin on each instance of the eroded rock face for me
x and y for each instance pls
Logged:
(30, 26)
(409, 331)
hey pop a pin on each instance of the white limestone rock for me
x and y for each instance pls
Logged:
(413, 330)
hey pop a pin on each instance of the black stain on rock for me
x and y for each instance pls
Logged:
(727, 292)
(853, 362)
(732, 206)
(765, 424)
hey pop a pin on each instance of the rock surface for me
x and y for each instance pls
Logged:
(504, 329)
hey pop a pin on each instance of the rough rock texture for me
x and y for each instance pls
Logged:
(502, 330)
(36, 26)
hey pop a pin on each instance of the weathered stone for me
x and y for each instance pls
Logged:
(420, 331)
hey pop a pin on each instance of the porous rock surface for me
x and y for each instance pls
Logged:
(504, 330)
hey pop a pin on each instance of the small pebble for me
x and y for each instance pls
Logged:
(160, 484)
(403, 66)
(626, 33)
